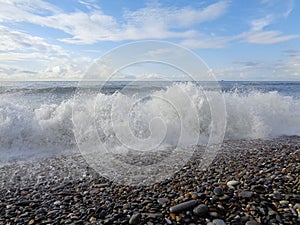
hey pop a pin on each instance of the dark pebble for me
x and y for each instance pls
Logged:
(200, 210)
(183, 206)
(218, 191)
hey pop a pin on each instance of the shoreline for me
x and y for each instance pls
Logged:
(249, 180)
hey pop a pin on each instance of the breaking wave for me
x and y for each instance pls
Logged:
(28, 131)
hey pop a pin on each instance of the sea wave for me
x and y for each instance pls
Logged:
(48, 129)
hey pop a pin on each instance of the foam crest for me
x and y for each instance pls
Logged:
(163, 118)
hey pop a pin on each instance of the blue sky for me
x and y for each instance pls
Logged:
(238, 40)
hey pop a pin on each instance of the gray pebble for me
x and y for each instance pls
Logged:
(135, 219)
(200, 210)
(246, 194)
(183, 206)
(218, 191)
(218, 222)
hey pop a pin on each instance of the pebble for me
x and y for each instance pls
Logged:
(214, 214)
(251, 223)
(162, 201)
(246, 194)
(284, 202)
(232, 183)
(259, 180)
(218, 191)
(57, 203)
(200, 210)
(218, 222)
(135, 219)
(183, 206)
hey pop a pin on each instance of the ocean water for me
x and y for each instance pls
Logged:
(36, 118)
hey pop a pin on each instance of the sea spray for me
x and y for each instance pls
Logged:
(29, 129)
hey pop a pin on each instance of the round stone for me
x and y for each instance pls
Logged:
(218, 191)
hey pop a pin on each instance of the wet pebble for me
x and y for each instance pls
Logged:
(218, 191)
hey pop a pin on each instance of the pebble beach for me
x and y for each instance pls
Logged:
(249, 182)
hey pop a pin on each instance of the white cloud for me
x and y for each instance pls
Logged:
(171, 17)
(259, 35)
(94, 26)
(259, 24)
(13, 40)
(266, 37)
(25, 57)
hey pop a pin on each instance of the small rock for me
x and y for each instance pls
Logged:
(246, 194)
(93, 219)
(284, 202)
(57, 203)
(251, 223)
(31, 222)
(200, 210)
(258, 188)
(218, 191)
(277, 195)
(24, 203)
(214, 214)
(224, 197)
(218, 222)
(183, 206)
(168, 221)
(232, 183)
(135, 219)
(162, 201)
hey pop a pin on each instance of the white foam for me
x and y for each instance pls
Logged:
(27, 132)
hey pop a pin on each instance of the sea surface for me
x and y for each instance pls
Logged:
(36, 118)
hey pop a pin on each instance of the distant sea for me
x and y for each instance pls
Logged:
(36, 117)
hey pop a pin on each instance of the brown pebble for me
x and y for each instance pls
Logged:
(251, 223)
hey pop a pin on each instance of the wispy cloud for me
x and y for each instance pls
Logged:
(13, 40)
(266, 37)
(152, 21)
(259, 35)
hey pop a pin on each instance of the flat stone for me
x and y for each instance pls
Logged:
(251, 223)
(232, 183)
(214, 214)
(183, 206)
(246, 194)
(24, 203)
(218, 222)
(284, 202)
(200, 210)
(135, 219)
